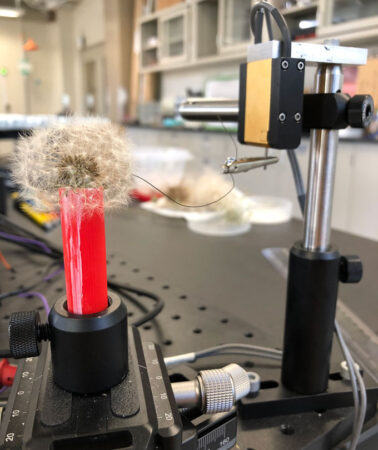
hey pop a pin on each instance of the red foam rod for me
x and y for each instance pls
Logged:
(84, 249)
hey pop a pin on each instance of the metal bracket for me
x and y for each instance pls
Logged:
(312, 53)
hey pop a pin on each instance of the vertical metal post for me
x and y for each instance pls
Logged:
(314, 265)
(321, 169)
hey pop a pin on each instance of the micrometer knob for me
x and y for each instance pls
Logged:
(216, 390)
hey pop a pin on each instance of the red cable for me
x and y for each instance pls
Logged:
(83, 232)
(4, 261)
(7, 373)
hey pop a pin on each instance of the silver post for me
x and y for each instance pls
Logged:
(187, 394)
(321, 169)
(210, 109)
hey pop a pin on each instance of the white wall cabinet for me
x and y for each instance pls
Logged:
(234, 28)
(352, 22)
(174, 37)
(149, 43)
(198, 32)
(165, 38)
(205, 29)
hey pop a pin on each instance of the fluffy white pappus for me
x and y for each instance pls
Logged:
(209, 187)
(76, 155)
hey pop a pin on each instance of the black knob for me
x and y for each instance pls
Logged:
(360, 111)
(351, 269)
(24, 335)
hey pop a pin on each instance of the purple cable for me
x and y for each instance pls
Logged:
(38, 294)
(53, 274)
(4, 388)
(13, 237)
(41, 296)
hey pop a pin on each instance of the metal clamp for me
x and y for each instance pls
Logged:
(233, 165)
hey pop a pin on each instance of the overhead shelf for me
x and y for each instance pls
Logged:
(300, 10)
(199, 32)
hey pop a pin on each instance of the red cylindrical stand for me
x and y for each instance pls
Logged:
(83, 233)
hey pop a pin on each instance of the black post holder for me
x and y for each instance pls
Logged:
(89, 353)
(312, 288)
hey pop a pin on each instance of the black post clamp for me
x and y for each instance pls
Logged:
(310, 315)
(89, 353)
(337, 111)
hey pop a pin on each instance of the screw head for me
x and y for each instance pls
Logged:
(286, 429)
(300, 65)
(344, 370)
(282, 117)
(297, 116)
(284, 64)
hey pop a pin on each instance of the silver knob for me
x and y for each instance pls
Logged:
(216, 390)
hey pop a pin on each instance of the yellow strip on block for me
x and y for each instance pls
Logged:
(257, 102)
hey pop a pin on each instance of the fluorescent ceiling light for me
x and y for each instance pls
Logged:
(12, 13)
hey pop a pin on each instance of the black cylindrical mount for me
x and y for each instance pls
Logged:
(90, 352)
(310, 316)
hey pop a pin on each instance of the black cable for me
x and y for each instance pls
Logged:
(150, 314)
(298, 180)
(268, 20)
(9, 226)
(256, 22)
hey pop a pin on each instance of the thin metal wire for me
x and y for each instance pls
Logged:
(183, 204)
(231, 137)
(205, 204)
